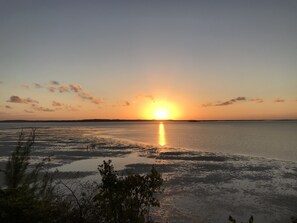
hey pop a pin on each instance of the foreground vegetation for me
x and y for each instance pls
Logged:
(33, 195)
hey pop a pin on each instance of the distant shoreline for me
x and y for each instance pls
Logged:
(145, 120)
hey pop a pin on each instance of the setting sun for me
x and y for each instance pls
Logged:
(161, 113)
(160, 110)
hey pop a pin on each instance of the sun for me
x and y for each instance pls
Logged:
(160, 110)
(161, 113)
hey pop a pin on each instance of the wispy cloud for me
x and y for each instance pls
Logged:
(225, 103)
(86, 96)
(51, 89)
(233, 101)
(63, 88)
(75, 88)
(54, 82)
(42, 109)
(257, 100)
(56, 104)
(279, 100)
(127, 103)
(28, 111)
(37, 85)
(17, 99)
(61, 106)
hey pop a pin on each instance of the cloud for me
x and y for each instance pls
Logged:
(60, 106)
(75, 88)
(279, 100)
(83, 94)
(40, 108)
(37, 85)
(89, 97)
(239, 99)
(51, 89)
(55, 103)
(63, 88)
(127, 103)
(66, 88)
(226, 103)
(257, 100)
(54, 82)
(17, 99)
(45, 109)
(8, 107)
(28, 111)
(231, 101)
(1, 82)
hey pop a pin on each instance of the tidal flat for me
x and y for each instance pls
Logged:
(199, 186)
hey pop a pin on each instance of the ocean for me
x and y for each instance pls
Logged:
(270, 139)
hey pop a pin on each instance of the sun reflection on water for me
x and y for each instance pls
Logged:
(162, 135)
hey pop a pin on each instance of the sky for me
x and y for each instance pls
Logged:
(214, 59)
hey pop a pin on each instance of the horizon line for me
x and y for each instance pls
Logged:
(139, 120)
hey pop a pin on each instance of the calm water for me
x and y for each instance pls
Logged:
(271, 139)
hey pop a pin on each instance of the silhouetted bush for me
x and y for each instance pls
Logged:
(126, 199)
(30, 194)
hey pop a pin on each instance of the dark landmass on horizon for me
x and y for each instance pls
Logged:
(148, 120)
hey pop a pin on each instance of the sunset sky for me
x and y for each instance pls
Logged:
(148, 59)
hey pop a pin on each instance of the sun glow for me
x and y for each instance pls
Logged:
(160, 110)
(161, 113)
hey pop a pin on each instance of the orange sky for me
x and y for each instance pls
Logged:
(73, 102)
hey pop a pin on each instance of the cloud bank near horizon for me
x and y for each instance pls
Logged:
(233, 101)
